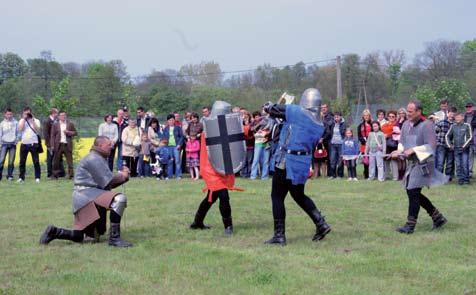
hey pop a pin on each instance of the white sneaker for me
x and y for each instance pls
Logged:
(37, 180)
(355, 179)
(20, 180)
(349, 179)
(10, 179)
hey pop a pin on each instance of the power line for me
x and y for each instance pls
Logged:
(179, 75)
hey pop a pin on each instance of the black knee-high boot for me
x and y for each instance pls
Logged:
(279, 237)
(322, 228)
(52, 232)
(228, 224)
(115, 231)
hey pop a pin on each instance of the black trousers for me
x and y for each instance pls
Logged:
(280, 188)
(99, 226)
(49, 165)
(417, 199)
(225, 208)
(131, 163)
(351, 168)
(33, 150)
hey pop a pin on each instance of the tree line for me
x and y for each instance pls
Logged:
(444, 69)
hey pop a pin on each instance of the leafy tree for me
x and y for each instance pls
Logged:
(11, 66)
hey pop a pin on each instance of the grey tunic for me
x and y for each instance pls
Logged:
(420, 136)
(91, 179)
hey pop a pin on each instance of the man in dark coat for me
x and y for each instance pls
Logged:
(61, 143)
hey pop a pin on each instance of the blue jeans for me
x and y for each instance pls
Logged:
(443, 156)
(337, 169)
(178, 162)
(143, 167)
(246, 170)
(462, 164)
(11, 149)
(261, 157)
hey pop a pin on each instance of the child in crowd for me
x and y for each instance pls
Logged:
(375, 149)
(143, 166)
(192, 149)
(459, 139)
(350, 153)
(163, 157)
(320, 160)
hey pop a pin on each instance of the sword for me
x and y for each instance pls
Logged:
(124, 191)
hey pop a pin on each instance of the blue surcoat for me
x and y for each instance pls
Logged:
(300, 133)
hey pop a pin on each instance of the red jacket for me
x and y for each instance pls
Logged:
(214, 181)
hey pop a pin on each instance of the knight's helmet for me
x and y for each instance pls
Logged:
(311, 100)
(220, 108)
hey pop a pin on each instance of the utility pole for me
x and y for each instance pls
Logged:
(339, 78)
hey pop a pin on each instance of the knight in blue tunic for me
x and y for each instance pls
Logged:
(302, 129)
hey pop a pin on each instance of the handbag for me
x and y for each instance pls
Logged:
(365, 160)
(320, 153)
(40, 146)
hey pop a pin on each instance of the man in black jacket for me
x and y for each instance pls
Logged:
(335, 135)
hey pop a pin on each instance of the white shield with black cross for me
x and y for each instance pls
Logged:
(225, 142)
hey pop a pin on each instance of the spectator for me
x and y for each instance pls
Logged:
(262, 149)
(8, 142)
(235, 109)
(61, 143)
(402, 162)
(154, 135)
(205, 113)
(444, 156)
(47, 124)
(143, 161)
(327, 120)
(350, 153)
(363, 132)
(335, 136)
(175, 139)
(142, 120)
(442, 113)
(186, 121)
(320, 158)
(250, 144)
(391, 164)
(402, 117)
(163, 157)
(178, 122)
(29, 127)
(194, 127)
(459, 139)
(381, 117)
(109, 130)
(375, 149)
(122, 122)
(192, 149)
(470, 118)
(130, 146)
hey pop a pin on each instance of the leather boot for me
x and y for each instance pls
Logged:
(115, 236)
(322, 228)
(438, 219)
(279, 237)
(52, 232)
(198, 222)
(228, 224)
(408, 227)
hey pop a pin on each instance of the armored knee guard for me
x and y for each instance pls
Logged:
(119, 204)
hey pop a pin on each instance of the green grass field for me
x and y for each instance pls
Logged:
(362, 255)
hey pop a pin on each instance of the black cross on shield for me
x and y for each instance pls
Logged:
(226, 141)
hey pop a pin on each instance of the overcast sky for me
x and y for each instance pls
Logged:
(155, 34)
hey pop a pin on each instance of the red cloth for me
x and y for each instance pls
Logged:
(214, 181)
(365, 131)
(387, 129)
